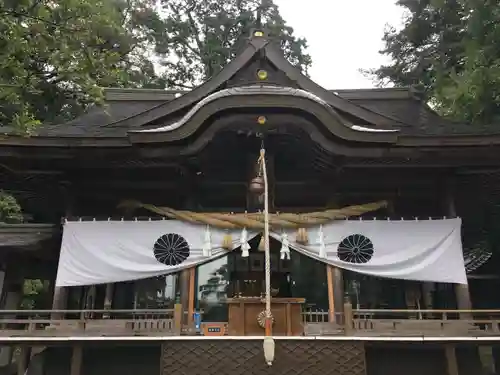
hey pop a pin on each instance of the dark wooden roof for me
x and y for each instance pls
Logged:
(124, 104)
(397, 117)
(400, 104)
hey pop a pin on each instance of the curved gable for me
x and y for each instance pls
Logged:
(255, 96)
(262, 49)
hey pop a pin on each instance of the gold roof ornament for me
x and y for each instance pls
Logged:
(262, 74)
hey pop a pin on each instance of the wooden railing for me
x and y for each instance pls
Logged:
(351, 322)
(165, 322)
(90, 322)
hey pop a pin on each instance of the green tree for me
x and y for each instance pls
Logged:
(203, 36)
(449, 48)
(56, 55)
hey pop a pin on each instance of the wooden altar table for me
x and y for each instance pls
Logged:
(244, 316)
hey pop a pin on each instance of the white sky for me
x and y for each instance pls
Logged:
(343, 36)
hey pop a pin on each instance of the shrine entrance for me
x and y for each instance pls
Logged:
(296, 283)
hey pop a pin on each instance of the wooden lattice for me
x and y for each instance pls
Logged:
(245, 357)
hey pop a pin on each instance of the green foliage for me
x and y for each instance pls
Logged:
(450, 49)
(56, 55)
(35, 294)
(201, 37)
(10, 210)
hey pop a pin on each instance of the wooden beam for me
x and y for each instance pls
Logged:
(349, 185)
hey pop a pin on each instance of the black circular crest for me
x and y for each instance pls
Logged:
(171, 249)
(355, 248)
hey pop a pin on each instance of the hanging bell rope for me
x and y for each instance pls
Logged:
(256, 220)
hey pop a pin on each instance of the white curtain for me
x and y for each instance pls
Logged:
(98, 252)
(427, 250)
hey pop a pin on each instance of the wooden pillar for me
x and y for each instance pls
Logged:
(60, 297)
(23, 359)
(487, 358)
(348, 318)
(331, 297)
(12, 296)
(76, 360)
(59, 301)
(184, 294)
(108, 299)
(338, 289)
(410, 287)
(451, 360)
(191, 295)
(462, 293)
(335, 281)
(427, 290)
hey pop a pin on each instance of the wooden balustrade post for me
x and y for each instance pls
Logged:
(178, 317)
(348, 317)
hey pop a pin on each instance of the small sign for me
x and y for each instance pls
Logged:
(214, 329)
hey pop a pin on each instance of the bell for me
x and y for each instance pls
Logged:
(257, 185)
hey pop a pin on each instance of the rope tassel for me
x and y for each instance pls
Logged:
(227, 241)
(285, 248)
(321, 241)
(245, 247)
(207, 244)
(302, 237)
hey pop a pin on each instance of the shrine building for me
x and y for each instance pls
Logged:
(145, 220)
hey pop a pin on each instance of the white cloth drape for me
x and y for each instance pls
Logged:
(97, 252)
(427, 250)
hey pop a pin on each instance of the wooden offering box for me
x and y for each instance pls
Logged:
(244, 316)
